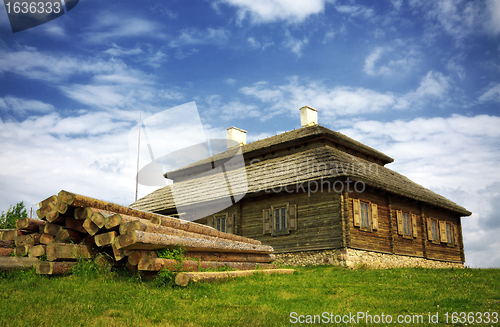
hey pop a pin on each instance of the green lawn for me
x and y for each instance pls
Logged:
(117, 299)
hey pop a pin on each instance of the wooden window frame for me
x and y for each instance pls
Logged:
(372, 213)
(217, 218)
(269, 219)
(433, 229)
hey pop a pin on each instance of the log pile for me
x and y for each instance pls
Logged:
(72, 227)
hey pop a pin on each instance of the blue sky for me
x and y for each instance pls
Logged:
(417, 80)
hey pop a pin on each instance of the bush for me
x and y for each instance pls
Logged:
(8, 220)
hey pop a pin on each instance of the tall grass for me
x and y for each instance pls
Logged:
(115, 298)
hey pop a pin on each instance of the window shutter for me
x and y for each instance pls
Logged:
(455, 234)
(356, 213)
(414, 225)
(442, 231)
(266, 224)
(210, 221)
(429, 229)
(399, 218)
(292, 216)
(230, 223)
(374, 216)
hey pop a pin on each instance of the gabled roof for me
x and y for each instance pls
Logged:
(328, 163)
(288, 139)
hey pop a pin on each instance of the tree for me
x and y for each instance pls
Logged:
(8, 220)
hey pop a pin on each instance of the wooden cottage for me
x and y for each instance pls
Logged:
(318, 196)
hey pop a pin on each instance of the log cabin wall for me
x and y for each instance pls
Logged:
(440, 249)
(411, 244)
(318, 220)
(370, 239)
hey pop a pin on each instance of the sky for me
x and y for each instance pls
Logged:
(416, 80)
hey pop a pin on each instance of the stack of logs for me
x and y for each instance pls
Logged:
(73, 226)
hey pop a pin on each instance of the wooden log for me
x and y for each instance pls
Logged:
(52, 229)
(104, 260)
(231, 257)
(54, 268)
(138, 240)
(55, 217)
(99, 218)
(105, 238)
(41, 229)
(46, 238)
(157, 264)
(68, 236)
(120, 253)
(74, 224)
(89, 241)
(9, 263)
(113, 222)
(136, 256)
(22, 250)
(90, 227)
(62, 251)
(10, 234)
(83, 201)
(132, 269)
(37, 251)
(146, 226)
(183, 278)
(32, 239)
(7, 244)
(6, 252)
(44, 210)
(83, 213)
(51, 199)
(29, 224)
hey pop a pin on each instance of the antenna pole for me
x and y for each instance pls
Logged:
(138, 151)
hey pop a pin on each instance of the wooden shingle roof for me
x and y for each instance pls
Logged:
(318, 164)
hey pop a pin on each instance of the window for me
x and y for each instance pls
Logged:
(406, 224)
(365, 215)
(449, 233)
(224, 222)
(280, 219)
(434, 226)
(220, 223)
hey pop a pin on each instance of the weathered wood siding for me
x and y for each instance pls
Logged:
(443, 251)
(318, 220)
(387, 239)
(377, 240)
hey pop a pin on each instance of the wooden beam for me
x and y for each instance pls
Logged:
(183, 278)
(230, 257)
(138, 240)
(54, 268)
(62, 251)
(105, 238)
(29, 224)
(156, 264)
(83, 201)
(9, 263)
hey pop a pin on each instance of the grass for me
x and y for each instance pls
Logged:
(94, 297)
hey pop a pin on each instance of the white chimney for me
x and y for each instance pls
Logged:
(237, 135)
(308, 116)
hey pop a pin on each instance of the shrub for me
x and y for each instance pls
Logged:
(8, 220)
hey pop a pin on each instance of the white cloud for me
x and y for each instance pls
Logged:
(230, 81)
(493, 94)
(355, 10)
(456, 157)
(330, 35)
(492, 23)
(194, 36)
(265, 11)
(295, 45)
(390, 60)
(116, 26)
(22, 106)
(342, 100)
(218, 110)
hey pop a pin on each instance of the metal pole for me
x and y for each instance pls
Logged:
(138, 151)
